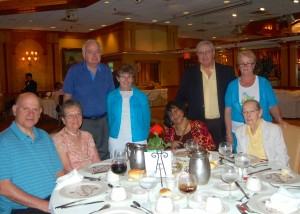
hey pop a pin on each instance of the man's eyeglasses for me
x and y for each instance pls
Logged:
(202, 53)
(246, 64)
(73, 115)
(249, 112)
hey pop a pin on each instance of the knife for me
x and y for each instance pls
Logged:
(81, 204)
(239, 186)
(73, 202)
(251, 173)
(240, 209)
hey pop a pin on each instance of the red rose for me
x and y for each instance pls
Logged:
(156, 128)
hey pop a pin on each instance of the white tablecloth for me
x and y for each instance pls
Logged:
(289, 103)
(157, 97)
(49, 106)
(57, 199)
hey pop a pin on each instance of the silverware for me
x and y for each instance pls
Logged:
(81, 204)
(106, 206)
(240, 209)
(139, 208)
(251, 173)
(239, 186)
(287, 186)
(73, 202)
(92, 179)
(138, 205)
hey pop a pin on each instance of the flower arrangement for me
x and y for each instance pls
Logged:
(155, 142)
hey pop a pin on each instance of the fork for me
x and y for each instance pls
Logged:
(102, 208)
(285, 186)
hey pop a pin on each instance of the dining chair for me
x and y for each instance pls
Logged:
(291, 135)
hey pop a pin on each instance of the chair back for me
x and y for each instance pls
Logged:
(291, 135)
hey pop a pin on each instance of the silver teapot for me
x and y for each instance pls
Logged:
(199, 165)
(135, 152)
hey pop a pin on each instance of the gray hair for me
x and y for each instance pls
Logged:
(257, 104)
(69, 104)
(126, 69)
(205, 42)
(91, 41)
(246, 53)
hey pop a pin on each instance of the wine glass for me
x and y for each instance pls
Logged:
(230, 174)
(119, 153)
(118, 166)
(225, 149)
(148, 181)
(191, 145)
(187, 184)
(242, 161)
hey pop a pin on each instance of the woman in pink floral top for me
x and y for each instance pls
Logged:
(179, 129)
(76, 148)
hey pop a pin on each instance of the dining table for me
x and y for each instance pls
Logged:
(48, 106)
(214, 188)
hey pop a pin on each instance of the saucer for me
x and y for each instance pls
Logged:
(137, 190)
(128, 198)
(175, 210)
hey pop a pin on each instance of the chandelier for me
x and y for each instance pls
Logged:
(30, 57)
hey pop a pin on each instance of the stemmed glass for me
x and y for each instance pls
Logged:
(230, 174)
(242, 161)
(148, 181)
(187, 184)
(191, 145)
(225, 149)
(120, 154)
(118, 166)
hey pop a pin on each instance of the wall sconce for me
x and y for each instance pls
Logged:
(30, 57)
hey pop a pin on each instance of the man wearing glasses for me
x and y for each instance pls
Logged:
(203, 89)
(89, 82)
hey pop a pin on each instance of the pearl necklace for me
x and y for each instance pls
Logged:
(71, 133)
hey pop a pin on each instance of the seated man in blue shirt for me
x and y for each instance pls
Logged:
(29, 161)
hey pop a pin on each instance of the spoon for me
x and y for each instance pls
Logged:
(138, 205)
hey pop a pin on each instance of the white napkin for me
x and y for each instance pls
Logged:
(284, 201)
(70, 178)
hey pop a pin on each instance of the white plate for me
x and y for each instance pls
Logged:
(224, 186)
(257, 203)
(96, 168)
(83, 190)
(175, 210)
(181, 153)
(175, 195)
(128, 197)
(274, 176)
(137, 190)
(198, 200)
(121, 210)
(263, 188)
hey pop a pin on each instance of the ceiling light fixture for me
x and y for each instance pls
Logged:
(295, 26)
(234, 15)
(296, 1)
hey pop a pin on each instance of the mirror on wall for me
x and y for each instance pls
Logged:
(148, 73)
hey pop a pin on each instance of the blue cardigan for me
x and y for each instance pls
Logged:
(139, 114)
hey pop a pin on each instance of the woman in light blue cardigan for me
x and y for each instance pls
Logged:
(128, 112)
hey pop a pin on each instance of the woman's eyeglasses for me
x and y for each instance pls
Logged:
(249, 112)
(244, 65)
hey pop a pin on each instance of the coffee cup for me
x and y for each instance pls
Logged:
(118, 193)
(112, 177)
(164, 205)
(253, 183)
(213, 204)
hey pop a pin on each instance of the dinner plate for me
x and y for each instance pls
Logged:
(181, 153)
(83, 190)
(224, 186)
(121, 210)
(257, 204)
(97, 168)
(275, 177)
(128, 197)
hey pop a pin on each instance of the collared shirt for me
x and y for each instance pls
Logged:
(30, 165)
(90, 92)
(211, 105)
(256, 146)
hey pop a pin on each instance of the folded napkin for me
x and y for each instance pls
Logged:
(70, 178)
(284, 201)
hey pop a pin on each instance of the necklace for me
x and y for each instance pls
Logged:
(182, 134)
(71, 133)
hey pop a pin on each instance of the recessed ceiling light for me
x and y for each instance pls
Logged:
(167, 22)
(103, 25)
(91, 29)
(52, 27)
(189, 24)
(186, 13)
(127, 18)
(262, 9)
(106, 2)
(234, 15)
(226, 1)
(154, 20)
(296, 1)
(214, 37)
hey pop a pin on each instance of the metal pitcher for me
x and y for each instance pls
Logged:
(199, 165)
(136, 155)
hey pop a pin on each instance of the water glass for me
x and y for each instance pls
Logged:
(242, 160)
(230, 174)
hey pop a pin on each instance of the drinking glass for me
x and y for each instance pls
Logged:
(148, 181)
(225, 149)
(118, 166)
(187, 184)
(120, 154)
(242, 161)
(191, 145)
(230, 174)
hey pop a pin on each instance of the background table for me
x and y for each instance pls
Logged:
(157, 97)
(289, 103)
(49, 106)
